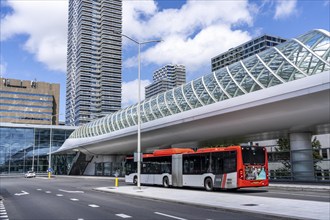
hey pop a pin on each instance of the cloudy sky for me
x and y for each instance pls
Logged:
(34, 34)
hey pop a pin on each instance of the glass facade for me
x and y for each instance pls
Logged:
(304, 56)
(22, 148)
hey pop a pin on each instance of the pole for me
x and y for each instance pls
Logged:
(50, 148)
(138, 105)
(9, 159)
(139, 120)
(34, 132)
(24, 160)
(50, 154)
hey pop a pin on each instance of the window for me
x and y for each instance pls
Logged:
(131, 167)
(217, 163)
(324, 154)
(229, 162)
(157, 165)
(191, 164)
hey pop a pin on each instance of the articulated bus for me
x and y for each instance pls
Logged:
(231, 167)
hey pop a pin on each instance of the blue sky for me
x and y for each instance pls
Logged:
(34, 33)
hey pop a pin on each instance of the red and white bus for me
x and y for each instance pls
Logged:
(231, 167)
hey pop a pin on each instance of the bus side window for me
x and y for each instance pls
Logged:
(185, 166)
(230, 162)
(217, 162)
(205, 163)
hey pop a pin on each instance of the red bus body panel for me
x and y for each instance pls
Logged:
(171, 151)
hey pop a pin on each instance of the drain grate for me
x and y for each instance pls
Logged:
(250, 204)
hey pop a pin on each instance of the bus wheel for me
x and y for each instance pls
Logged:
(166, 183)
(208, 184)
(135, 180)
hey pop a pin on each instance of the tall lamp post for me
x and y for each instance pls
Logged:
(50, 147)
(139, 101)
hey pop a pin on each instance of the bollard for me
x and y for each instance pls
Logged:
(48, 175)
(116, 181)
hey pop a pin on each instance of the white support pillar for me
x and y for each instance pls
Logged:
(302, 156)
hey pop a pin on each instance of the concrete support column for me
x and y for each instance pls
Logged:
(302, 157)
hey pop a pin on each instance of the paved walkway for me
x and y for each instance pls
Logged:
(286, 208)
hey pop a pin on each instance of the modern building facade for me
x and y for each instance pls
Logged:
(26, 147)
(307, 55)
(166, 78)
(93, 85)
(29, 102)
(245, 50)
(280, 92)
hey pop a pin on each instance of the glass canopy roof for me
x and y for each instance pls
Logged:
(306, 55)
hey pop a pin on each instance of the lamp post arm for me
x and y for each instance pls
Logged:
(151, 41)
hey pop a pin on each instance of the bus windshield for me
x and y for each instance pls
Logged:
(253, 155)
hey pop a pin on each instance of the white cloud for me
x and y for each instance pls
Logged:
(3, 68)
(192, 34)
(130, 92)
(196, 52)
(285, 8)
(45, 24)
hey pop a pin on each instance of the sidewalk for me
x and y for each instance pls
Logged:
(285, 208)
(302, 186)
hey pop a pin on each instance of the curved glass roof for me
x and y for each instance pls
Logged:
(306, 55)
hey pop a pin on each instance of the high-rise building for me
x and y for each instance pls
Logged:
(29, 102)
(166, 78)
(93, 87)
(245, 50)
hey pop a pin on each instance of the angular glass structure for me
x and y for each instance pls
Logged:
(304, 56)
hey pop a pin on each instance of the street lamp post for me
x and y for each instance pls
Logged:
(50, 146)
(138, 104)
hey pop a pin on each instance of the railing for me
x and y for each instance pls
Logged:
(280, 175)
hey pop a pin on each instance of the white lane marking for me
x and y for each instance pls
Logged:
(48, 192)
(3, 212)
(67, 191)
(93, 205)
(80, 219)
(73, 199)
(170, 216)
(59, 194)
(21, 194)
(123, 216)
(39, 189)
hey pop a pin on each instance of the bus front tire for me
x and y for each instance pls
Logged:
(135, 180)
(166, 182)
(208, 184)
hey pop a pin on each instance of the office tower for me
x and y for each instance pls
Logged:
(245, 50)
(93, 87)
(166, 78)
(29, 102)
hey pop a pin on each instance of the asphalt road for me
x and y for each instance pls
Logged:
(74, 198)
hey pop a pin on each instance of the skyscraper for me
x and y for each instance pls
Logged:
(166, 78)
(93, 84)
